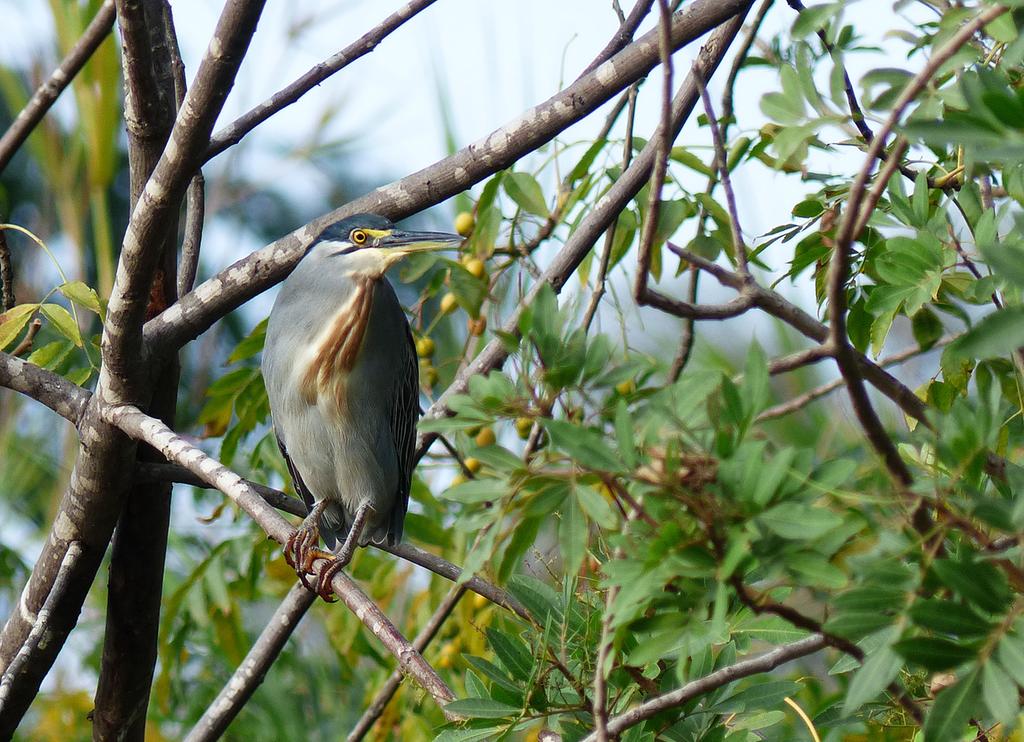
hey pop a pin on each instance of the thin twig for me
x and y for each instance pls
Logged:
(39, 622)
(26, 343)
(248, 675)
(721, 162)
(233, 132)
(803, 400)
(839, 267)
(606, 642)
(390, 687)
(30, 116)
(627, 27)
(742, 669)
(687, 335)
(195, 213)
(663, 136)
(609, 235)
(7, 298)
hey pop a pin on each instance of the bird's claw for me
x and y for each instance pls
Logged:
(301, 550)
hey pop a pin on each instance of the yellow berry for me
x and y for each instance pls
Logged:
(459, 479)
(523, 427)
(448, 303)
(464, 223)
(477, 326)
(485, 437)
(431, 377)
(626, 387)
(476, 267)
(472, 464)
(479, 601)
(425, 347)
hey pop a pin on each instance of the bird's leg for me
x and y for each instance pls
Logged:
(344, 554)
(301, 550)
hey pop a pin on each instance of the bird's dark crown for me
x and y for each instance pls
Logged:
(340, 231)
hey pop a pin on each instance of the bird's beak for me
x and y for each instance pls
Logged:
(405, 243)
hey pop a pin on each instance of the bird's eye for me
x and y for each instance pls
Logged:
(357, 236)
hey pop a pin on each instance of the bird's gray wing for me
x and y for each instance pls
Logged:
(405, 411)
(300, 486)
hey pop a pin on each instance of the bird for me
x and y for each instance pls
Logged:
(342, 381)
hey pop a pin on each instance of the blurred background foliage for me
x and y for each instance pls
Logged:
(583, 470)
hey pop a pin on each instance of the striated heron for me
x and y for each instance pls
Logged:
(342, 380)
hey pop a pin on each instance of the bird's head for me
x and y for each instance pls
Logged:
(368, 244)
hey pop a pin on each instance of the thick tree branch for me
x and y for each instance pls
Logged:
(742, 669)
(248, 676)
(197, 311)
(140, 540)
(99, 482)
(30, 116)
(142, 427)
(62, 396)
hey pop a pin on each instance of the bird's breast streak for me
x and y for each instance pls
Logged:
(336, 350)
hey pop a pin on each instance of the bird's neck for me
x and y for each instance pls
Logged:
(370, 263)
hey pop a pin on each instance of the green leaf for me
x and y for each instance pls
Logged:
(765, 695)
(948, 617)
(999, 692)
(1006, 260)
(996, 335)
(62, 320)
(471, 734)
(585, 446)
(481, 708)
(934, 654)
(979, 582)
(524, 189)
(83, 296)
(813, 18)
(572, 535)
(514, 655)
(492, 671)
(596, 507)
(1010, 652)
(952, 708)
(475, 491)
(878, 670)
(794, 520)
(13, 321)
(469, 290)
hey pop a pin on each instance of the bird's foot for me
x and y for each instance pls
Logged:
(340, 559)
(302, 549)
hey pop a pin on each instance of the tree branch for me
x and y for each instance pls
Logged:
(839, 267)
(30, 116)
(62, 396)
(390, 687)
(142, 427)
(248, 676)
(40, 624)
(742, 669)
(590, 229)
(214, 298)
(101, 477)
(7, 298)
(135, 584)
(232, 133)
(412, 554)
